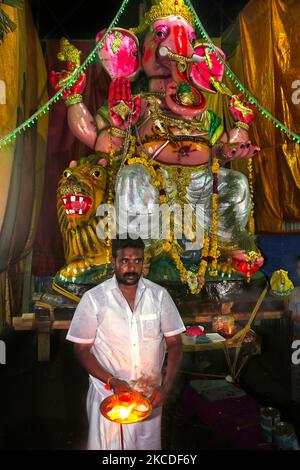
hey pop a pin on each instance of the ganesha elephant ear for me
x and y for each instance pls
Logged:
(207, 67)
(120, 54)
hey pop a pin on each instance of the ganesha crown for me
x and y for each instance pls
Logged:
(163, 9)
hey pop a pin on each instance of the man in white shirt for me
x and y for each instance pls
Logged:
(121, 329)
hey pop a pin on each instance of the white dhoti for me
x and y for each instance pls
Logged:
(105, 435)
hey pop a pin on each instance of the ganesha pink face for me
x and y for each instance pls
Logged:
(167, 44)
(174, 34)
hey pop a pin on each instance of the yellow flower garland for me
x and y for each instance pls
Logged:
(142, 159)
(203, 265)
(210, 245)
(111, 173)
(251, 189)
(214, 251)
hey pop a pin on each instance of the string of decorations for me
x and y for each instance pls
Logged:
(73, 77)
(290, 134)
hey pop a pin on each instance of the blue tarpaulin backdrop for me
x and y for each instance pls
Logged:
(280, 252)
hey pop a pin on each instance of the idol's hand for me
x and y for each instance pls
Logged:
(231, 151)
(59, 79)
(122, 107)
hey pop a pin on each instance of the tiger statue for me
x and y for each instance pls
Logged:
(82, 187)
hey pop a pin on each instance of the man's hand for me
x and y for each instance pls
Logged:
(159, 396)
(119, 386)
(174, 347)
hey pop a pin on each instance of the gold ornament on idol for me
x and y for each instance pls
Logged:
(122, 110)
(73, 99)
(162, 9)
(69, 53)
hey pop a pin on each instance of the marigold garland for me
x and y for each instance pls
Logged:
(152, 167)
(214, 250)
(251, 189)
(203, 265)
(210, 250)
(111, 173)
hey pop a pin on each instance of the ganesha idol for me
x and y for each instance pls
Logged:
(168, 146)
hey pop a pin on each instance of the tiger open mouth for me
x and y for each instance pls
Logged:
(76, 204)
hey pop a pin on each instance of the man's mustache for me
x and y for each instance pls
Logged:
(130, 274)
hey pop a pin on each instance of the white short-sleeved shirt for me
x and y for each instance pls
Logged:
(127, 344)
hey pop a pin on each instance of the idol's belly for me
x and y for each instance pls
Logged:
(184, 153)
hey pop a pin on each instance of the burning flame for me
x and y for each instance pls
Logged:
(119, 412)
(126, 408)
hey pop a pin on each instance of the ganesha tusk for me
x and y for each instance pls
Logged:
(197, 58)
(165, 52)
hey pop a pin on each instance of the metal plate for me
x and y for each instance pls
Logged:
(110, 402)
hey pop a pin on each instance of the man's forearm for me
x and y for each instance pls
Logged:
(88, 361)
(92, 366)
(173, 364)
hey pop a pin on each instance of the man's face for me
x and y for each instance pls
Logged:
(298, 268)
(128, 265)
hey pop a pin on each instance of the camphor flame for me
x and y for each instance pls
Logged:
(129, 407)
(120, 412)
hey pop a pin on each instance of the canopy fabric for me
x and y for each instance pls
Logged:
(23, 72)
(268, 53)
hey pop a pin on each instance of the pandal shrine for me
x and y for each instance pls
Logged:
(178, 123)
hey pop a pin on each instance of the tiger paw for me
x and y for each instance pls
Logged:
(75, 269)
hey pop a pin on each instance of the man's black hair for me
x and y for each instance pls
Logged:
(298, 259)
(121, 243)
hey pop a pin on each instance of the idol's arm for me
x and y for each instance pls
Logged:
(82, 124)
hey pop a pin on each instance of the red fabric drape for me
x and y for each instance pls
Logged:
(48, 255)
